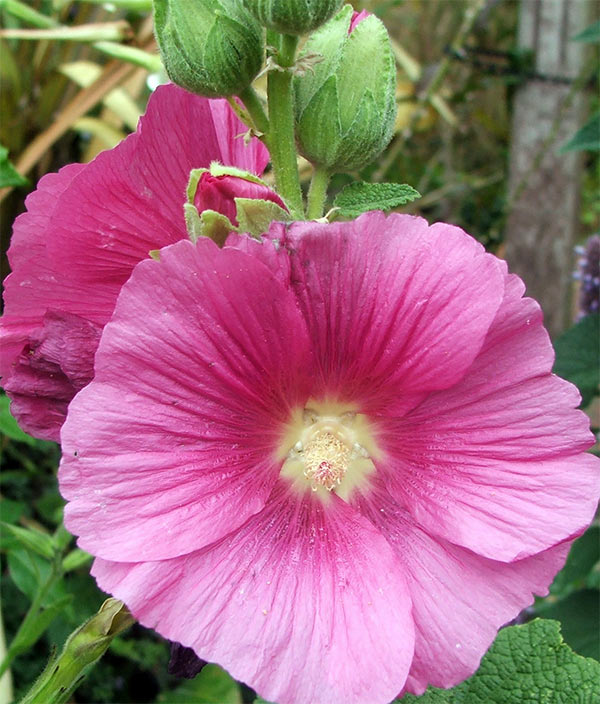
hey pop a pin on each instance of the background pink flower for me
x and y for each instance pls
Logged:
(86, 228)
(219, 519)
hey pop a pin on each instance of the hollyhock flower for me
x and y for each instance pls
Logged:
(334, 462)
(87, 227)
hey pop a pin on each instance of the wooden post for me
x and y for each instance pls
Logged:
(543, 213)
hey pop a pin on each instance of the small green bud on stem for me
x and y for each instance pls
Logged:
(293, 16)
(83, 648)
(209, 47)
(345, 108)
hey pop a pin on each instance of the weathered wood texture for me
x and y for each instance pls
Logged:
(543, 184)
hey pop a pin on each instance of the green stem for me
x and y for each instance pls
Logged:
(255, 109)
(317, 193)
(280, 138)
(14, 649)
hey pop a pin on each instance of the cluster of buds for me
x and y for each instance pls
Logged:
(344, 114)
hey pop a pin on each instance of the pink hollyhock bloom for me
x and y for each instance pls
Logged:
(334, 462)
(87, 227)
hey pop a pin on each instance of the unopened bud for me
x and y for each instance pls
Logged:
(219, 192)
(224, 199)
(293, 16)
(209, 47)
(345, 107)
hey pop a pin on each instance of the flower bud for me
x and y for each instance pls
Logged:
(219, 193)
(293, 16)
(345, 108)
(209, 47)
(224, 199)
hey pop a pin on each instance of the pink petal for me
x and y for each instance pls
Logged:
(395, 307)
(53, 367)
(460, 599)
(129, 200)
(305, 603)
(357, 18)
(229, 132)
(26, 289)
(87, 226)
(495, 463)
(173, 444)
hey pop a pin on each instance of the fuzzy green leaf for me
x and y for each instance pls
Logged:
(528, 664)
(357, 198)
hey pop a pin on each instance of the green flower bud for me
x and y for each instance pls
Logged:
(293, 16)
(210, 47)
(345, 109)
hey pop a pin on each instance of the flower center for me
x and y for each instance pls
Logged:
(325, 449)
(325, 459)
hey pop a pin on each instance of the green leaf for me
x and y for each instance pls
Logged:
(579, 614)
(254, 215)
(11, 510)
(212, 686)
(578, 356)
(357, 198)
(583, 558)
(585, 139)
(35, 540)
(589, 34)
(29, 571)
(528, 664)
(8, 425)
(9, 176)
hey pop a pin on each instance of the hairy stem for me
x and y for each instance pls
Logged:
(280, 138)
(317, 193)
(255, 110)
